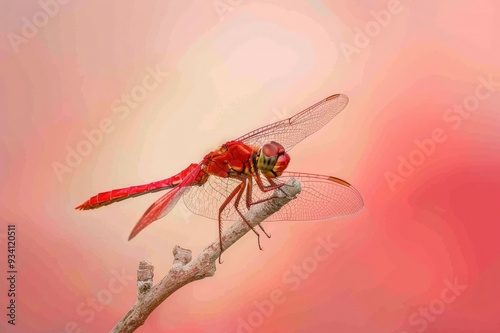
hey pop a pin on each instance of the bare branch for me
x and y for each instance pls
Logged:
(184, 270)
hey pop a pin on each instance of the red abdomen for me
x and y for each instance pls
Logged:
(106, 198)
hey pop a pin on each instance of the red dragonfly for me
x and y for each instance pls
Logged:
(214, 187)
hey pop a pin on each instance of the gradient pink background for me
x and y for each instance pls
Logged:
(265, 59)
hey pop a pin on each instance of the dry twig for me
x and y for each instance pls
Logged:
(184, 270)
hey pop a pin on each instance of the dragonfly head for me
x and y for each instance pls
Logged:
(272, 159)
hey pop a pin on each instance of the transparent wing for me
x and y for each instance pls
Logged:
(321, 197)
(206, 200)
(289, 132)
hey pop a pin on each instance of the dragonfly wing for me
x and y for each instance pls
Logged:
(289, 132)
(207, 199)
(321, 197)
(164, 205)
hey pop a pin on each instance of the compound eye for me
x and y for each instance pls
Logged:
(281, 149)
(270, 150)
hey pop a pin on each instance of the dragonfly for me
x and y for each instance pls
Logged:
(246, 171)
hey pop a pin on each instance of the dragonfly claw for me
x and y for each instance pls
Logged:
(264, 231)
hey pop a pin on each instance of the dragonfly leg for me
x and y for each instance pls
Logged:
(221, 209)
(272, 185)
(262, 187)
(237, 202)
(250, 203)
(264, 231)
(238, 191)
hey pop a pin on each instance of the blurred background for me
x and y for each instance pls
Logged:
(101, 95)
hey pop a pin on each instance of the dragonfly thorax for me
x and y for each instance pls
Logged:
(272, 159)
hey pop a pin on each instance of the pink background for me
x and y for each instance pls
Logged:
(263, 61)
